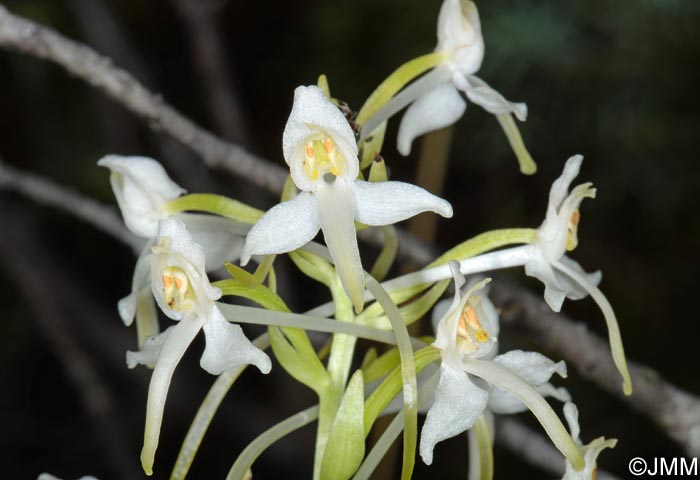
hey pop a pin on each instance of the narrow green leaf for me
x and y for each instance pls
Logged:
(259, 294)
(382, 366)
(369, 358)
(305, 369)
(345, 448)
(313, 266)
(388, 254)
(392, 384)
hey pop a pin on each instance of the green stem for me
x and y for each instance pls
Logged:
(395, 82)
(485, 242)
(206, 412)
(245, 460)
(216, 204)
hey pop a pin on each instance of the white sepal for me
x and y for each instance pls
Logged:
(313, 117)
(142, 188)
(490, 100)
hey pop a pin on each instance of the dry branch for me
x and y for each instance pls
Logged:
(675, 411)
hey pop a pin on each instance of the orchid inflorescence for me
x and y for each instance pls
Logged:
(338, 184)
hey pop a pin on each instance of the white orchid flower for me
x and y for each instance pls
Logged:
(143, 189)
(435, 99)
(182, 290)
(319, 147)
(467, 331)
(590, 451)
(545, 260)
(558, 234)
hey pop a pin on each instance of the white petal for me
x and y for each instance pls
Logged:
(171, 352)
(219, 238)
(150, 351)
(574, 291)
(485, 310)
(446, 324)
(459, 31)
(424, 85)
(590, 451)
(571, 415)
(176, 248)
(314, 116)
(553, 234)
(558, 286)
(539, 267)
(532, 367)
(439, 311)
(437, 109)
(227, 347)
(142, 187)
(336, 214)
(139, 281)
(490, 100)
(458, 404)
(560, 188)
(283, 228)
(386, 203)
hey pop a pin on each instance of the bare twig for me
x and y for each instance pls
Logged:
(215, 72)
(97, 70)
(39, 189)
(33, 277)
(675, 411)
(533, 447)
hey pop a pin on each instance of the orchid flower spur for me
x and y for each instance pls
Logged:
(182, 290)
(590, 451)
(143, 189)
(319, 147)
(466, 337)
(435, 99)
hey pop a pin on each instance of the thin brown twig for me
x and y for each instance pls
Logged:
(675, 411)
(44, 191)
(33, 277)
(215, 72)
(88, 65)
(534, 447)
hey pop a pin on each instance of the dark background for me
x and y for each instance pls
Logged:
(614, 81)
